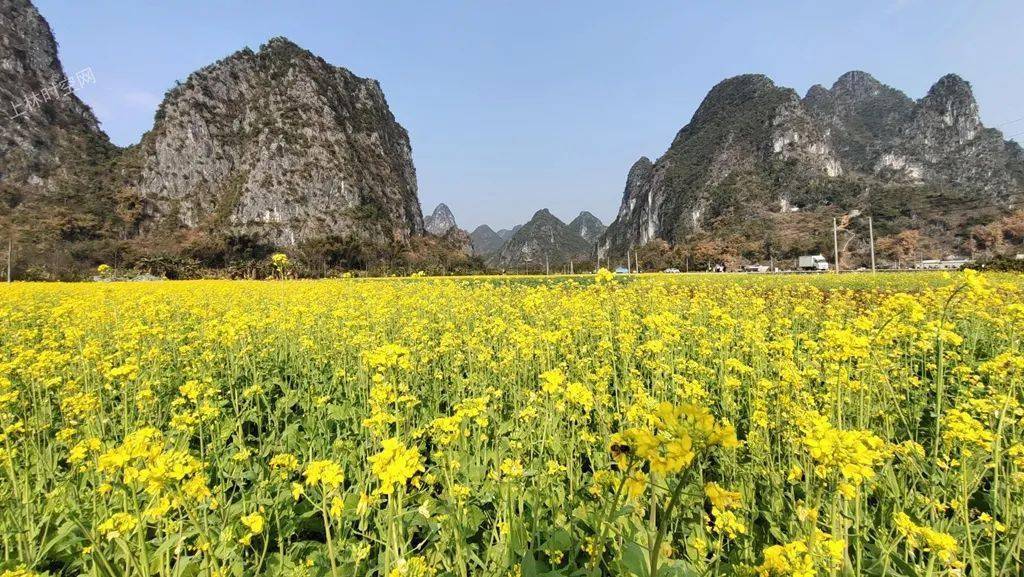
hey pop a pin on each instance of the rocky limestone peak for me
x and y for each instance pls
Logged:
(818, 96)
(506, 233)
(281, 144)
(755, 164)
(945, 142)
(742, 130)
(743, 92)
(543, 241)
(485, 241)
(862, 117)
(951, 99)
(55, 163)
(284, 45)
(440, 221)
(855, 85)
(588, 226)
(42, 121)
(32, 72)
(640, 169)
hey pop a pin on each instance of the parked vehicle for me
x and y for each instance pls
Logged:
(812, 262)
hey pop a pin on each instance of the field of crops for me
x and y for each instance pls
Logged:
(683, 425)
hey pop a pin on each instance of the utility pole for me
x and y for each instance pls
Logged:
(629, 265)
(871, 235)
(835, 243)
(570, 267)
(10, 251)
(547, 267)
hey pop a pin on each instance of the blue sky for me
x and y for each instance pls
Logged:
(520, 105)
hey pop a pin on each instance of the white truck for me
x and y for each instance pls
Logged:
(812, 262)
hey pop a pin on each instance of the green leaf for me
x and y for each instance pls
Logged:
(560, 540)
(634, 560)
(529, 565)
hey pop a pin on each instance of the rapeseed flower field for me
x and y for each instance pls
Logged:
(662, 425)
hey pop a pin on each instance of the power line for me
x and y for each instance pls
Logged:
(1014, 121)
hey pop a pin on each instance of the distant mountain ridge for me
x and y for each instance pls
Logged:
(507, 233)
(588, 226)
(485, 241)
(763, 172)
(440, 221)
(276, 148)
(543, 241)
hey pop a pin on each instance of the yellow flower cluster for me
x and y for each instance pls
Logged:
(414, 567)
(670, 443)
(724, 504)
(447, 430)
(254, 524)
(852, 455)
(143, 460)
(395, 465)
(421, 426)
(803, 558)
(325, 474)
(963, 431)
(118, 525)
(923, 538)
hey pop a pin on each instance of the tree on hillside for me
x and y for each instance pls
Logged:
(713, 251)
(656, 255)
(997, 237)
(901, 248)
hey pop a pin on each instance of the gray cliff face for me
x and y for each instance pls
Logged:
(588, 226)
(863, 117)
(440, 221)
(485, 241)
(743, 130)
(638, 218)
(544, 240)
(756, 160)
(282, 144)
(946, 142)
(54, 159)
(42, 121)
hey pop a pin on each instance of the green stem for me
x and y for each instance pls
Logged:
(666, 517)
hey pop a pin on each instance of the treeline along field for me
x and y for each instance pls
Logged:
(662, 425)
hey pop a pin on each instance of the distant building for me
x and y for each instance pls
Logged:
(948, 263)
